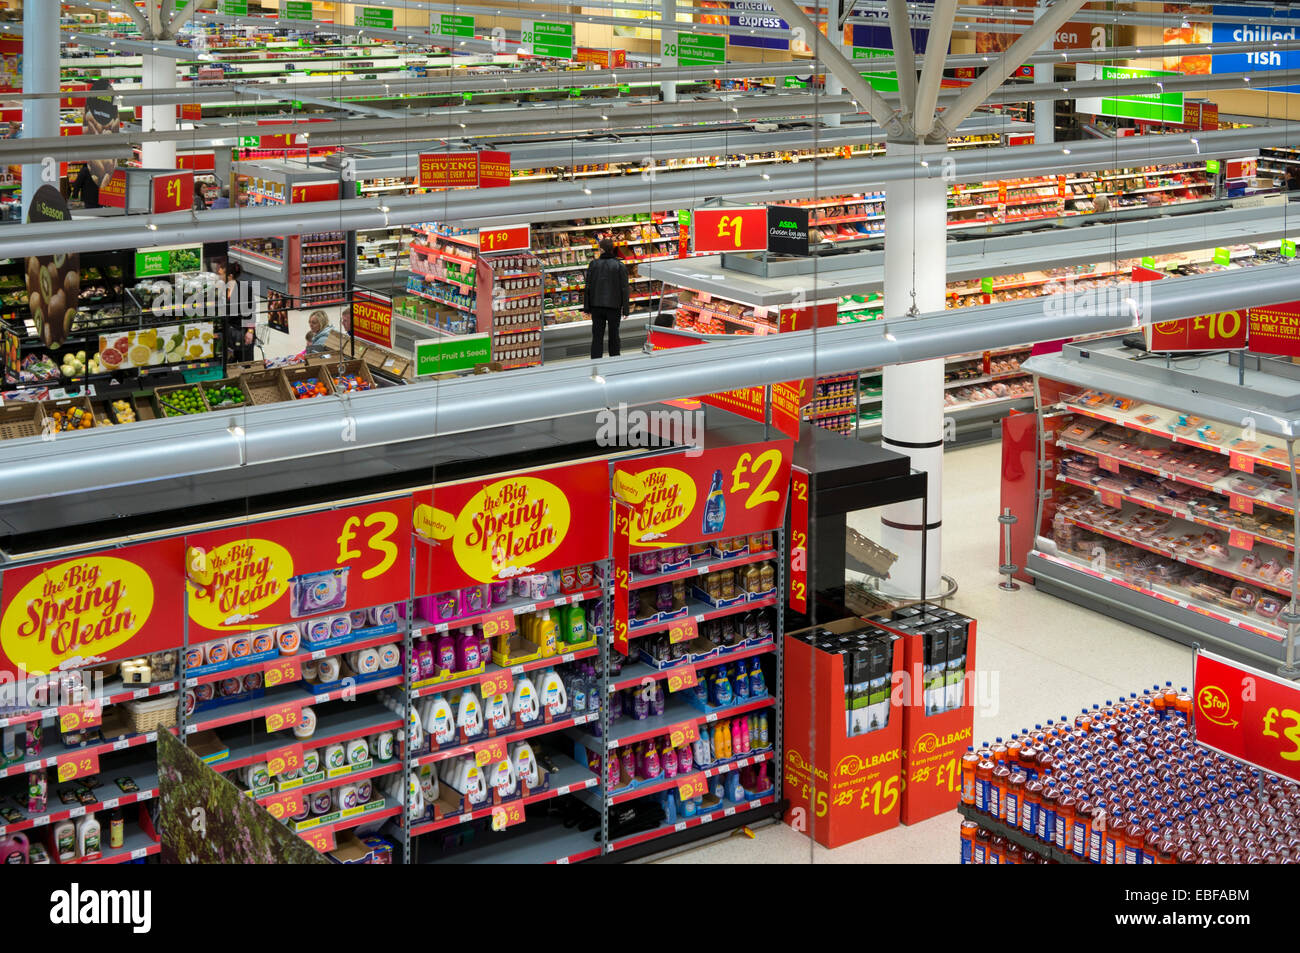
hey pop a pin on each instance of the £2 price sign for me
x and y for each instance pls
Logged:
(622, 562)
(682, 677)
(77, 764)
(1248, 714)
(80, 717)
(798, 596)
(687, 733)
(698, 786)
(683, 630)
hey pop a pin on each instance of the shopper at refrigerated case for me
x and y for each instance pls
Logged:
(605, 298)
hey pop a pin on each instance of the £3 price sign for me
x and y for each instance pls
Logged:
(282, 671)
(622, 564)
(1247, 714)
(501, 622)
(286, 716)
(320, 838)
(284, 760)
(77, 764)
(498, 683)
(288, 804)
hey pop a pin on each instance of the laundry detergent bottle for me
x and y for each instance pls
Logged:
(525, 704)
(575, 624)
(469, 714)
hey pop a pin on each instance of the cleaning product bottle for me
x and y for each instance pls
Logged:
(88, 837)
(715, 506)
(627, 757)
(425, 663)
(496, 711)
(554, 696)
(14, 849)
(575, 624)
(525, 762)
(757, 684)
(701, 753)
(524, 705)
(657, 699)
(469, 714)
(65, 841)
(685, 762)
(653, 769)
(444, 654)
(721, 687)
(548, 632)
(740, 683)
(440, 724)
(467, 651)
(735, 791)
(719, 745)
(668, 759)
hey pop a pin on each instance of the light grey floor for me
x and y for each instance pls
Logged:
(1048, 657)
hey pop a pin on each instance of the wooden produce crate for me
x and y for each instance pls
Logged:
(68, 414)
(21, 418)
(267, 386)
(166, 393)
(358, 368)
(296, 375)
(210, 388)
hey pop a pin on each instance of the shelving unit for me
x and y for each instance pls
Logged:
(1158, 508)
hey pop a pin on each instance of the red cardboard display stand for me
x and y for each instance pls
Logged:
(933, 744)
(839, 789)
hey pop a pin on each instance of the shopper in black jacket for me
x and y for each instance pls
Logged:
(605, 298)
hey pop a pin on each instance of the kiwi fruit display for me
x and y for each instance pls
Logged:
(53, 281)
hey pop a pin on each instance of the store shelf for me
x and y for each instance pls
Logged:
(51, 753)
(568, 778)
(144, 773)
(507, 737)
(985, 379)
(546, 841)
(347, 823)
(136, 844)
(641, 580)
(713, 814)
(354, 645)
(492, 669)
(669, 784)
(516, 604)
(376, 771)
(431, 252)
(1018, 836)
(677, 712)
(702, 612)
(636, 673)
(273, 699)
(362, 718)
(114, 692)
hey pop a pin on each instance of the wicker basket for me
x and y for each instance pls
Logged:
(162, 394)
(295, 375)
(209, 386)
(358, 368)
(65, 406)
(21, 418)
(267, 387)
(151, 714)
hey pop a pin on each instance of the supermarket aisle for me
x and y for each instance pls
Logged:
(1042, 658)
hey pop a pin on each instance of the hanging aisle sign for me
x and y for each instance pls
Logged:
(1156, 106)
(377, 17)
(692, 49)
(540, 38)
(453, 24)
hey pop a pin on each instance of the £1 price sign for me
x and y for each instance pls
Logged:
(284, 760)
(80, 717)
(288, 804)
(622, 564)
(172, 192)
(1248, 714)
(77, 764)
(716, 230)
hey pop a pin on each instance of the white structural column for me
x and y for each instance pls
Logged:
(1044, 109)
(916, 263)
(40, 75)
(668, 21)
(159, 73)
(835, 36)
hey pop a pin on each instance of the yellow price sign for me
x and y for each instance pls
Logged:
(80, 717)
(681, 678)
(694, 787)
(490, 753)
(501, 622)
(77, 765)
(282, 671)
(684, 734)
(499, 683)
(284, 760)
(683, 630)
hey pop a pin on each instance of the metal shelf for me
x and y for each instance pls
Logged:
(1017, 836)
(545, 841)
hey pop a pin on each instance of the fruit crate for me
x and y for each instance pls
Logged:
(64, 414)
(357, 368)
(210, 389)
(21, 418)
(267, 386)
(165, 394)
(106, 406)
(294, 376)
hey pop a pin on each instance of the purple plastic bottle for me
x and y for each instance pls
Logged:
(468, 648)
(444, 654)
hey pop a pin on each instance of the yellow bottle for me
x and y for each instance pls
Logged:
(548, 632)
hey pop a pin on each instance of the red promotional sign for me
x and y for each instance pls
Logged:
(113, 193)
(798, 599)
(609, 59)
(448, 170)
(321, 838)
(1248, 714)
(265, 574)
(801, 319)
(682, 677)
(788, 400)
(314, 192)
(748, 402)
(172, 192)
(513, 238)
(683, 630)
(191, 111)
(372, 318)
(1225, 331)
(715, 230)
(288, 715)
(68, 613)
(1275, 329)
(493, 169)
(284, 760)
(490, 530)
(622, 561)
(282, 671)
(285, 805)
(80, 717)
(729, 491)
(76, 764)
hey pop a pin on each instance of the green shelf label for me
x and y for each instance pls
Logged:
(234, 8)
(377, 17)
(296, 10)
(452, 24)
(1288, 248)
(1212, 166)
(794, 82)
(440, 356)
(986, 285)
(1148, 261)
(1221, 256)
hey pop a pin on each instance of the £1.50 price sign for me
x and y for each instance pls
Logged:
(1247, 714)
(509, 238)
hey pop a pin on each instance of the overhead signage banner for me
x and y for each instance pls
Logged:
(72, 612)
(871, 34)
(264, 574)
(448, 170)
(1258, 25)
(748, 402)
(715, 230)
(756, 15)
(1157, 106)
(493, 530)
(459, 353)
(678, 499)
(372, 318)
(1275, 329)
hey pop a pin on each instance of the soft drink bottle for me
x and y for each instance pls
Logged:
(997, 849)
(1031, 801)
(1065, 813)
(999, 751)
(999, 783)
(968, 829)
(980, 849)
(969, 761)
(984, 799)
(1046, 831)
(1014, 802)
(1013, 751)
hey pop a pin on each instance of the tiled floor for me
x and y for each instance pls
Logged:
(1046, 658)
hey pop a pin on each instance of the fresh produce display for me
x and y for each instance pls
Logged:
(309, 387)
(182, 402)
(125, 413)
(227, 395)
(75, 364)
(72, 418)
(351, 382)
(53, 281)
